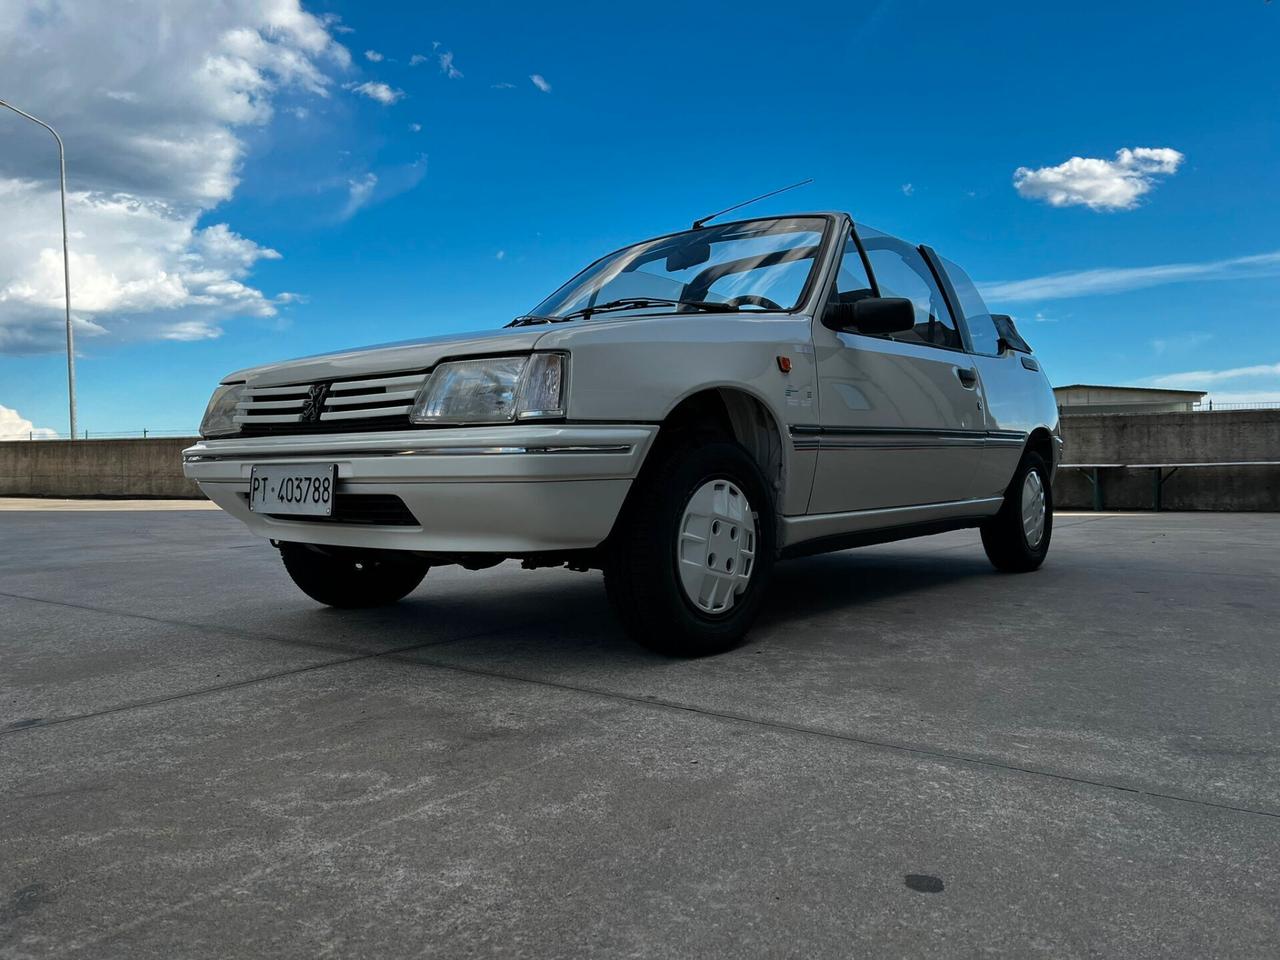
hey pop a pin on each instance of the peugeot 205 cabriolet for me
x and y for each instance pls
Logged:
(682, 414)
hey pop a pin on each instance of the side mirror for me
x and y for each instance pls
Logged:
(872, 315)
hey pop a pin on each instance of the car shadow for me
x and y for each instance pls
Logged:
(568, 615)
(846, 580)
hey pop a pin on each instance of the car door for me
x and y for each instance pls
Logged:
(900, 420)
(1010, 381)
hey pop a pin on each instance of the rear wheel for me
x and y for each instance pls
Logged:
(688, 561)
(343, 577)
(1017, 538)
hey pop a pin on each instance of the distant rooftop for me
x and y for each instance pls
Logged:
(1079, 398)
(1140, 390)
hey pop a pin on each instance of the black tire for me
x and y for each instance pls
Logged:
(1004, 536)
(343, 577)
(640, 563)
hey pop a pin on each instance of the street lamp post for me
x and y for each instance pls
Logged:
(66, 263)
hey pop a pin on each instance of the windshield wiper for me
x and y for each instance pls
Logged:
(626, 303)
(636, 303)
(530, 319)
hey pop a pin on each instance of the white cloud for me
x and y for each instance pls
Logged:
(376, 90)
(359, 193)
(500, 255)
(151, 122)
(149, 270)
(1198, 379)
(908, 189)
(334, 23)
(1038, 318)
(14, 426)
(1087, 283)
(179, 83)
(1099, 184)
(415, 127)
(191, 330)
(1252, 385)
(123, 274)
(370, 187)
(417, 59)
(447, 67)
(540, 82)
(373, 56)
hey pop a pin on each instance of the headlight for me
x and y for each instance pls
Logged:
(494, 390)
(219, 416)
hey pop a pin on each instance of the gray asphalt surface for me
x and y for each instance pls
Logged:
(197, 761)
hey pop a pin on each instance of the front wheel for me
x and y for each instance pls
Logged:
(1017, 538)
(343, 577)
(688, 561)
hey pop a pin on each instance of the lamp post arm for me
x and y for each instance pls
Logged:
(66, 263)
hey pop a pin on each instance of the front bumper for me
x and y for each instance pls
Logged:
(509, 490)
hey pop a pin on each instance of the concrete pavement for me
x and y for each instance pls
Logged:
(199, 762)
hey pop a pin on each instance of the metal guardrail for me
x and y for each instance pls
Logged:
(1209, 406)
(1093, 473)
(1155, 409)
(144, 434)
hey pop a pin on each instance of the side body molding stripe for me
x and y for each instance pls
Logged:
(813, 437)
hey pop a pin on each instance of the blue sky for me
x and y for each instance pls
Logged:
(473, 191)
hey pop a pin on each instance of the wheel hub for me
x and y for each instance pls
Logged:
(716, 551)
(1033, 509)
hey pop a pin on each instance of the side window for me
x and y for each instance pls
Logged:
(852, 282)
(901, 271)
(982, 329)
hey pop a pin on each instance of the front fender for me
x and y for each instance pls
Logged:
(640, 369)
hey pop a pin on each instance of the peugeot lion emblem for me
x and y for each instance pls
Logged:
(314, 404)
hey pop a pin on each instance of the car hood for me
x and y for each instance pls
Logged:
(406, 356)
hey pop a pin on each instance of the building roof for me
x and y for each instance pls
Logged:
(1148, 390)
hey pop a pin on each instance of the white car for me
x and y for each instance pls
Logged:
(682, 414)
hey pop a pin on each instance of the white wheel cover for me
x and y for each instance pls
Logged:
(716, 549)
(1033, 509)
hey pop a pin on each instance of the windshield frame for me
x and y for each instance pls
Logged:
(804, 302)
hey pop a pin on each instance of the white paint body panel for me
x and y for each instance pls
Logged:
(629, 369)
(899, 429)
(1018, 401)
(389, 358)
(509, 490)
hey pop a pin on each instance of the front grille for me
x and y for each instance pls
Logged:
(253, 429)
(367, 509)
(378, 403)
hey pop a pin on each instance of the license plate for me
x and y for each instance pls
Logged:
(304, 489)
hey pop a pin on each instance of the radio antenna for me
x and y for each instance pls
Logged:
(697, 224)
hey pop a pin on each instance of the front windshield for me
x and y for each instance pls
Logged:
(752, 265)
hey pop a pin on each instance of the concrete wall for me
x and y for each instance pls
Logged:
(1174, 438)
(95, 468)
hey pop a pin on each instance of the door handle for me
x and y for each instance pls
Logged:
(968, 377)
